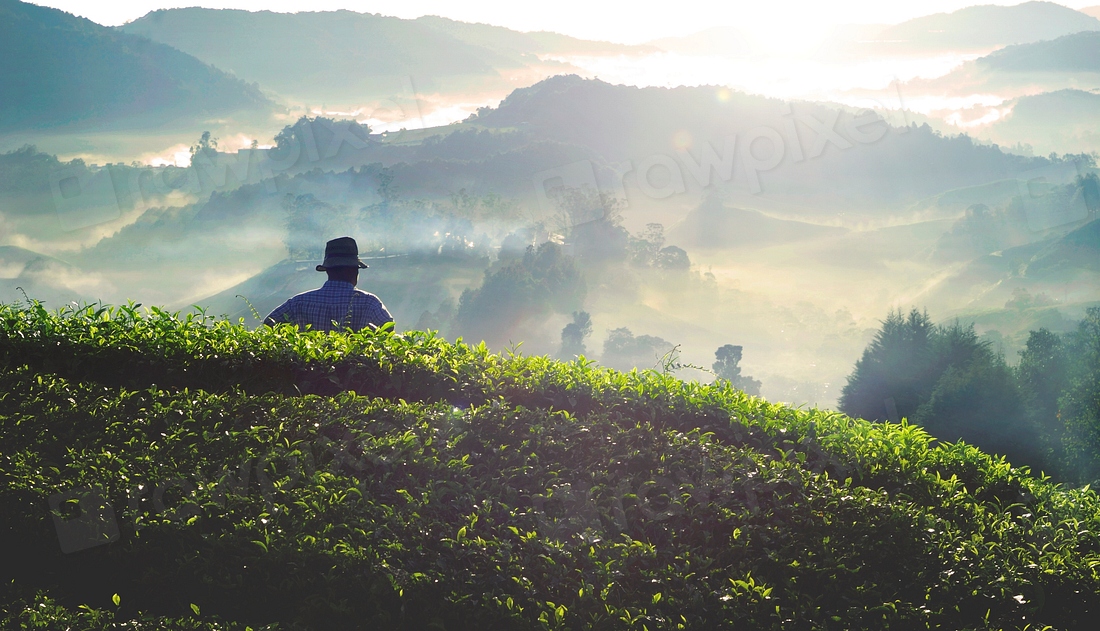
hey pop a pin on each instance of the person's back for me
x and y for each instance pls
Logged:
(337, 305)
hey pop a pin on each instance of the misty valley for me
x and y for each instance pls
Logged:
(687, 333)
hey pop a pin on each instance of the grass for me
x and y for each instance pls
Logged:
(302, 480)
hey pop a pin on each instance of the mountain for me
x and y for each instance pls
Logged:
(59, 68)
(508, 41)
(863, 165)
(984, 27)
(1064, 266)
(1079, 249)
(1077, 52)
(51, 280)
(1066, 121)
(365, 57)
(1093, 11)
(719, 40)
(713, 225)
(1070, 61)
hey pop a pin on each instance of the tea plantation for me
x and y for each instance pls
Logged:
(184, 472)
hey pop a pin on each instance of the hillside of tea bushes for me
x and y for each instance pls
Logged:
(277, 479)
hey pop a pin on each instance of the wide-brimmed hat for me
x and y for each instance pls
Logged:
(342, 252)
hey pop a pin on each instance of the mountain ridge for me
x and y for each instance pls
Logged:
(62, 69)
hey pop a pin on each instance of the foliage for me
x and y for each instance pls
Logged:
(317, 133)
(468, 490)
(672, 258)
(1042, 413)
(896, 365)
(1079, 403)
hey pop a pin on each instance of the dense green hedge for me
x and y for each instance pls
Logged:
(475, 491)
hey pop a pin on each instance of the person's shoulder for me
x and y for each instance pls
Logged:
(366, 296)
(312, 293)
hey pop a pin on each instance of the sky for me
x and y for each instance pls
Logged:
(783, 21)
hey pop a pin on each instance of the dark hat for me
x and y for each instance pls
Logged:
(342, 252)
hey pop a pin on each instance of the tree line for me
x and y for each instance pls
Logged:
(1043, 412)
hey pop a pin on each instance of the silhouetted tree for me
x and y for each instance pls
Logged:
(574, 334)
(623, 350)
(975, 398)
(673, 258)
(593, 220)
(727, 366)
(896, 365)
(948, 381)
(206, 146)
(1079, 404)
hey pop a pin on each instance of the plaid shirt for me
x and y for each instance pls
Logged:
(327, 308)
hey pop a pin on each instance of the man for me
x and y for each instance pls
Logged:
(337, 305)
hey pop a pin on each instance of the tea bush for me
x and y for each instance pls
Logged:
(298, 480)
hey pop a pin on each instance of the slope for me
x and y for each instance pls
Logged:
(986, 27)
(713, 225)
(832, 160)
(366, 57)
(1070, 61)
(464, 490)
(61, 69)
(1065, 120)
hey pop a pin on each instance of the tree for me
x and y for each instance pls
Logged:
(1089, 185)
(896, 366)
(673, 258)
(543, 281)
(976, 399)
(309, 221)
(574, 334)
(644, 248)
(1079, 404)
(206, 146)
(948, 381)
(623, 350)
(593, 220)
(727, 367)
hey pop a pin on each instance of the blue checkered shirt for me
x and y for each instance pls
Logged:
(327, 309)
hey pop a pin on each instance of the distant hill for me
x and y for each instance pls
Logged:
(1079, 249)
(365, 56)
(60, 69)
(1070, 61)
(54, 281)
(719, 40)
(634, 127)
(1063, 265)
(985, 27)
(713, 225)
(505, 40)
(1093, 11)
(1078, 52)
(1067, 121)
